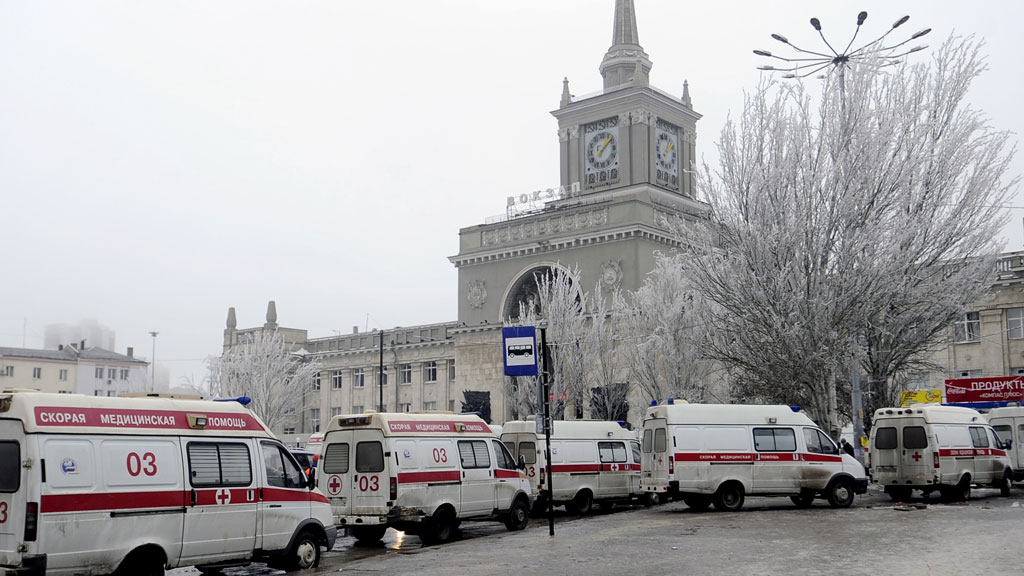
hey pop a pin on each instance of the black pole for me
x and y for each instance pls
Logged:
(547, 430)
(380, 373)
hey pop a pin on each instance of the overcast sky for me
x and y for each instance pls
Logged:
(162, 161)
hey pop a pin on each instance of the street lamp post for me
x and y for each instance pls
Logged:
(877, 53)
(152, 374)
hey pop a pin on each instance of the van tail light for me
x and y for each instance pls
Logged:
(935, 459)
(671, 465)
(31, 521)
(394, 488)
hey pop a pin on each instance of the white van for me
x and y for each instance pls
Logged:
(420, 473)
(720, 453)
(1008, 424)
(93, 485)
(929, 447)
(591, 461)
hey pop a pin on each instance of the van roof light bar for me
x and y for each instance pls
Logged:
(243, 400)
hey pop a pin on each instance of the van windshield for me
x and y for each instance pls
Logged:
(10, 466)
(1004, 432)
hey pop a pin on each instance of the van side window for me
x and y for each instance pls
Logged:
(648, 440)
(827, 445)
(914, 437)
(885, 438)
(528, 450)
(219, 464)
(612, 452)
(369, 457)
(336, 458)
(635, 447)
(10, 466)
(812, 440)
(774, 440)
(511, 447)
(282, 471)
(474, 454)
(659, 440)
(978, 437)
(1004, 432)
(505, 460)
(1020, 432)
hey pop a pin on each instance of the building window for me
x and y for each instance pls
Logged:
(451, 405)
(382, 376)
(99, 373)
(289, 431)
(111, 373)
(64, 392)
(37, 373)
(97, 393)
(405, 407)
(1015, 323)
(358, 378)
(336, 379)
(111, 392)
(967, 328)
(970, 374)
(430, 371)
(8, 370)
(316, 383)
(432, 405)
(451, 370)
(314, 419)
(383, 408)
(335, 411)
(1017, 371)
(357, 409)
(124, 374)
(405, 374)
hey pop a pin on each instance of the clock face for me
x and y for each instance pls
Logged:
(602, 150)
(667, 152)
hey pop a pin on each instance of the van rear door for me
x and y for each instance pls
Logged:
(916, 460)
(337, 472)
(656, 453)
(14, 484)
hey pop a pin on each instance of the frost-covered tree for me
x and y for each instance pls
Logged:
(562, 307)
(261, 367)
(855, 224)
(662, 334)
(609, 391)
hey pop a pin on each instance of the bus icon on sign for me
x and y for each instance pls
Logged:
(520, 350)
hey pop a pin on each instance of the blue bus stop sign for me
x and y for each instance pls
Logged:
(520, 350)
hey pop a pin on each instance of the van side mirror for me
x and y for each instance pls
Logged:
(522, 462)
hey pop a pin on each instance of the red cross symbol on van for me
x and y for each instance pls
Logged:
(615, 467)
(223, 497)
(917, 457)
(334, 485)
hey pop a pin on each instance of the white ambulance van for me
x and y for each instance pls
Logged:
(929, 447)
(419, 473)
(1008, 423)
(720, 453)
(94, 485)
(591, 461)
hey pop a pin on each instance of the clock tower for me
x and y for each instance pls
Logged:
(626, 156)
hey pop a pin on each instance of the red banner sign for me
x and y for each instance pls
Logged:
(994, 389)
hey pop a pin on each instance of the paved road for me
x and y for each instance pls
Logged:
(769, 536)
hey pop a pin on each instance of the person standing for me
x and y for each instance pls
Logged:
(847, 447)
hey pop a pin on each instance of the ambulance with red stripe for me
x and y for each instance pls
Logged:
(720, 453)
(419, 473)
(94, 485)
(929, 447)
(1008, 423)
(591, 461)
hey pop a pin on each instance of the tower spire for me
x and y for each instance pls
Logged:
(625, 57)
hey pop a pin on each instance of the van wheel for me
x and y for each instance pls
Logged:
(696, 502)
(1004, 486)
(804, 499)
(518, 515)
(962, 491)
(899, 493)
(369, 534)
(305, 553)
(581, 503)
(142, 562)
(441, 527)
(729, 497)
(840, 493)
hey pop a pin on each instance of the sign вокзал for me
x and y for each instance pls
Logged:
(993, 389)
